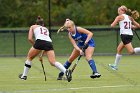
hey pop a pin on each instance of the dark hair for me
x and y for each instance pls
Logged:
(40, 21)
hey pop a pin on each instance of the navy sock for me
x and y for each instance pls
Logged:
(66, 65)
(92, 65)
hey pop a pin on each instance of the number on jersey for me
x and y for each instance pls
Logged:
(127, 25)
(43, 31)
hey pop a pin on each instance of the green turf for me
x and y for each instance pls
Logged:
(125, 80)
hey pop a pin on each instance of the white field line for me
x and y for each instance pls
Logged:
(75, 88)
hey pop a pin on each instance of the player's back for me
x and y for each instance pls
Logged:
(42, 33)
(125, 25)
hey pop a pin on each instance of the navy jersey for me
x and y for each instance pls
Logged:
(80, 38)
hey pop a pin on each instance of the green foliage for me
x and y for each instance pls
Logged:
(23, 13)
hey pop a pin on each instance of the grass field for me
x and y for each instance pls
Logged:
(125, 80)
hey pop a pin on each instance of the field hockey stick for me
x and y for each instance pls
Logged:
(137, 35)
(83, 49)
(41, 60)
(76, 63)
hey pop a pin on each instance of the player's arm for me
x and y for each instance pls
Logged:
(85, 31)
(74, 43)
(30, 35)
(114, 23)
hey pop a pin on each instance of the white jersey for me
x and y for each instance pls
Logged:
(42, 33)
(125, 25)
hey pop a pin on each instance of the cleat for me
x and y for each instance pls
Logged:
(113, 67)
(68, 75)
(22, 77)
(95, 75)
(59, 77)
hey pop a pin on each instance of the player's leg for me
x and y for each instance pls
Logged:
(118, 56)
(137, 50)
(129, 48)
(132, 50)
(28, 63)
(58, 65)
(67, 64)
(119, 52)
(88, 53)
(51, 59)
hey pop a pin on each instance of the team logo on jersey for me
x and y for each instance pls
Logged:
(78, 39)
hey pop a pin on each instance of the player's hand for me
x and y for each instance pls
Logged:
(40, 59)
(81, 52)
(85, 46)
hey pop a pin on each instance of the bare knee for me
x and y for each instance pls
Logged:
(119, 51)
(88, 58)
(131, 52)
(52, 63)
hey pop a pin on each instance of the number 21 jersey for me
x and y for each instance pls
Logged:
(125, 26)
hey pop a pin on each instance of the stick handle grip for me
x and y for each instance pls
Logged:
(79, 57)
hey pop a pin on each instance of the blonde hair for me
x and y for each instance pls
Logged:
(123, 8)
(134, 14)
(66, 24)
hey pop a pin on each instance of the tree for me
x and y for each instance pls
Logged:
(23, 13)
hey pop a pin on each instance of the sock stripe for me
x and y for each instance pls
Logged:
(29, 66)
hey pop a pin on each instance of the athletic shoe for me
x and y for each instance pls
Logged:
(60, 77)
(22, 77)
(95, 75)
(68, 75)
(113, 67)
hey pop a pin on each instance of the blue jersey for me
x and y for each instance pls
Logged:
(80, 38)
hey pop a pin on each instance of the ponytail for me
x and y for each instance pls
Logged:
(134, 14)
(61, 29)
(67, 22)
(64, 26)
(40, 21)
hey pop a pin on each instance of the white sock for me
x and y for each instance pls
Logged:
(26, 67)
(137, 50)
(117, 60)
(60, 67)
